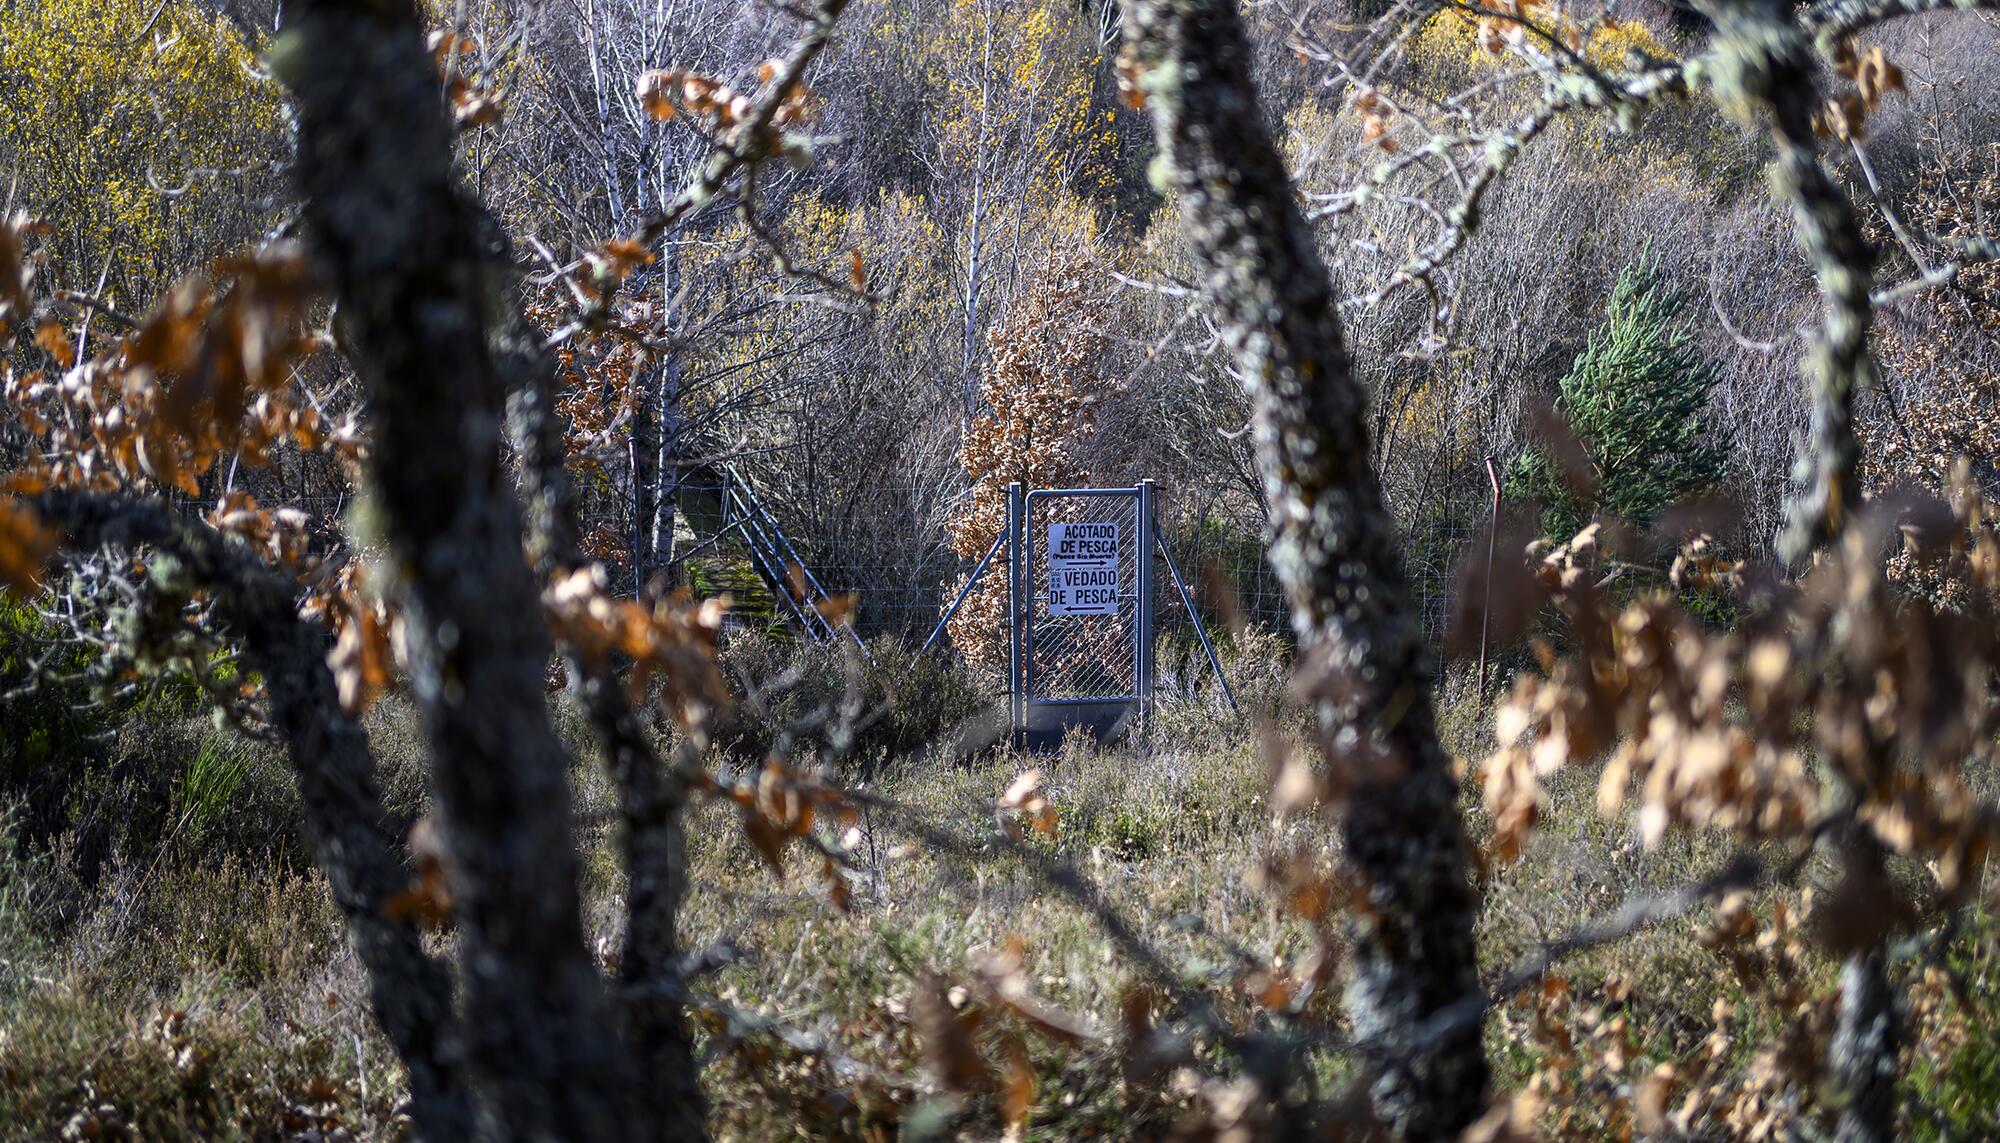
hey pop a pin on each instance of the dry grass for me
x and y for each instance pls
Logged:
(207, 997)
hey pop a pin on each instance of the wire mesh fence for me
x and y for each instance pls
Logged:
(1082, 607)
(889, 545)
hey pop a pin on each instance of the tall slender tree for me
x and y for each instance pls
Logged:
(1334, 548)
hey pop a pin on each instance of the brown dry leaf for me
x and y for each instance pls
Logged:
(1294, 786)
(1655, 1092)
(767, 838)
(838, 892)
(1025, 801)
(672, 637)
(360, 659)
(1271, 987)
(1017, 1085)
(948, 1037)
(427, 900)
(621, 256)
(1004, 975)
(25, 547)
(1876, 77)
(478, 109)
(655, 93)
(838, 609)
(1129, 88)
(51, 339)
(444, 43)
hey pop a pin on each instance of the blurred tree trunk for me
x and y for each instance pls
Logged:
(1334, 548)
(400, 242)
(1771, 67)
(409, 992)
(651, 796)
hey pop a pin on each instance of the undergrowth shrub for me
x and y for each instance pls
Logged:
(187, 1001)
(898, 702)
(105, 780)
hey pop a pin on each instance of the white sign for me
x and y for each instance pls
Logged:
(1083, 569)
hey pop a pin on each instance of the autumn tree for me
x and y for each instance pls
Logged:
(1038, 392)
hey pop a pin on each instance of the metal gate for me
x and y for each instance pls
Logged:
(1083, 626)
(1081, 609)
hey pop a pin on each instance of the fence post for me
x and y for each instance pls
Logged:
(1486, 605)
(1143, 611)
(1016, 593)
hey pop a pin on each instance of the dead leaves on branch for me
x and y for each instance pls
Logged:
(280, 535)
(1845, 116)
(666, 637)
(210, 372)
(212, 348)
(367, 645)
(1708, 730)
(974, 1035)
(471, 95)
(671, 93)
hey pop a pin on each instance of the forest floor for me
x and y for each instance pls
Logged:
(207, 991)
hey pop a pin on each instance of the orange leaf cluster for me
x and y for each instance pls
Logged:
(209, 372)
(781, 805)
(670, 93)
(25, 546)
(671, 637)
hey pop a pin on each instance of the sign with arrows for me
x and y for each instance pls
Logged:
(1083, 569)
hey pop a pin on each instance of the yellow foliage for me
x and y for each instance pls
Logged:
(134, 125)
(1016, 78)
(1460, 41)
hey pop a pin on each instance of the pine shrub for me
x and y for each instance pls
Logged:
(1633, 400)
